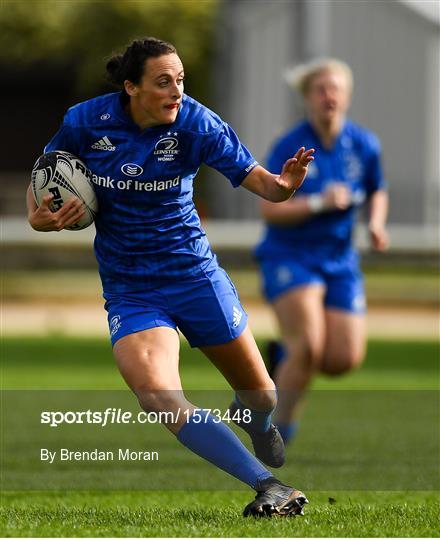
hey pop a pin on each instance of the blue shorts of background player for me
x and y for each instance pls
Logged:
(342, 280)
(207, 310)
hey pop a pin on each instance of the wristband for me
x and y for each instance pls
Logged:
(316, 203)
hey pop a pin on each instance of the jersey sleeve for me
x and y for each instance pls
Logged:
(66, 138)
(223, 151)
(374, 176)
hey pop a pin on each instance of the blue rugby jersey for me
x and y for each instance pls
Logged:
(354, 160)
(147, 228)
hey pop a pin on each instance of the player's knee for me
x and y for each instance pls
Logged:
(309, 350)
(341, 362)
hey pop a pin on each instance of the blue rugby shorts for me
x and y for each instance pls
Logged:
(342, 279)
(206, 309)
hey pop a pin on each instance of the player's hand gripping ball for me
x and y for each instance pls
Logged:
(64, 176)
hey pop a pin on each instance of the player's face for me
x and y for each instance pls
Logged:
(328, 97)
(157, 97)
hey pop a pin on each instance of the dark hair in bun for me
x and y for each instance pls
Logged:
(130, 65)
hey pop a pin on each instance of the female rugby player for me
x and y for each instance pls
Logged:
(310, 269)
(144, 146)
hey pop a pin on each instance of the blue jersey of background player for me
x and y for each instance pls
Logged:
(310, 269)
(144, 146)
(352, 166)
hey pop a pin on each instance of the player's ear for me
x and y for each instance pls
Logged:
(130, 88)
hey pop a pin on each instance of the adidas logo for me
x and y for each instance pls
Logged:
(104, 144)
(236, 316)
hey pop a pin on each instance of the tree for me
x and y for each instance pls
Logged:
(83, 34)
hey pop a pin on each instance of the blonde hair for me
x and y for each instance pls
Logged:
(300, 77)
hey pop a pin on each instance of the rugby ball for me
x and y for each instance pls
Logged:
(64, 176)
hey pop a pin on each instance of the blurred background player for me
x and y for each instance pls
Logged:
(157, 269)
(310, 269)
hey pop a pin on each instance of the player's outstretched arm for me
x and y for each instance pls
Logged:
(42, 219)
(302, 207)
(277, 188)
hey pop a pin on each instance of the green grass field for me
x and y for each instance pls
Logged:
(366, 455)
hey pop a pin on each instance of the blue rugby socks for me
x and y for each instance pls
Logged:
(215, 442)
(287, 430)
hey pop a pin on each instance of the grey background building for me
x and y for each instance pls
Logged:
(393, 48)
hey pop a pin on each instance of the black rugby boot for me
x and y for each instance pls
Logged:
(276, 499)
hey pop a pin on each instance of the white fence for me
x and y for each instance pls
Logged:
(222, 235)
